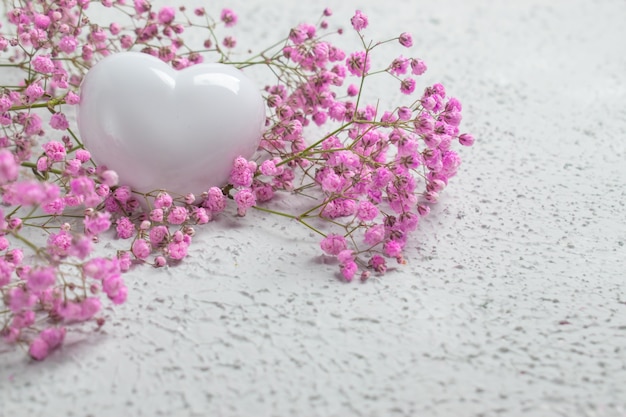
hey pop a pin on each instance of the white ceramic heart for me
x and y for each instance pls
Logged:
(159, 128)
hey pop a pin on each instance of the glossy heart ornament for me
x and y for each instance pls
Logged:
(159, 128)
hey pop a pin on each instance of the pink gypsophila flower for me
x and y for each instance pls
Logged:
(366, 211)
(72, 98)
(157, 235)
(83, 155)
(98, 223)
(358, 63)
(100, 268)
(43, 64)
(33, 92)
(141, 249)
(407, 86)
(68, 44)
(42, 21)
(333, 244)
(228, 17)
(112, 284)
(348, 270)
(418, 67)
(38, 349)
(216, 201)
(465, 139)
(375, 234)
(166, 15)
(177, 250)
(59, 243)
(125, 228)
(6, 271)
(29, 193)
(177, 215)
(359, 21)
(241, 174)
(125, 260)
(55, 150)
(82, 186)
(270, 169)
(406, 40)
(162, 201)
(399, 66)
(58, 121)
(21, 299)
(245, 199)
(9, 169)
(392, 248)
(53, 336)
(39, 279)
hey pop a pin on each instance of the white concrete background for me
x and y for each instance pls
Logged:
(513, 300)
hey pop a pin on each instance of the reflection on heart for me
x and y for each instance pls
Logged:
(159, 128)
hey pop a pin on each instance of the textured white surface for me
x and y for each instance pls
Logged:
(513, 301)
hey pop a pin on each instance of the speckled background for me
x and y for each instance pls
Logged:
(513, 301)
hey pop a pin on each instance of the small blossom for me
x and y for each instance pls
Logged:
(333, 244)
(407, 86)
(163, 201)
(177, 215)
(418, 67)
(358, 63)
(245, 199)
(399, 66)
(241, 175)
(156, 215)
(166, 15)
(359, 21)
(38, 349)
(406, 40)
(123, 194)
(348, 270)
(68, 44)
(9, 169)
(229, 42)
(55, 150)
(33, 92)
(159, 261)
(59, 121)
(125, 228)
(270, 169)
(378, 264)
(141, 249)
(111, 179)
(40, 279)
(366, 211)
(98, 223)
(392, 248)
(228, 17)
(158, 235)
(43, 64)
(375, 234)
(466, 139)
(177, 250)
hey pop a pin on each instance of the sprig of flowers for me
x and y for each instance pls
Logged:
(372, 176)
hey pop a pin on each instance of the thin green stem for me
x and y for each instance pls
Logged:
(308, 148)
(290, 216)
(26, 242)
(33, 165)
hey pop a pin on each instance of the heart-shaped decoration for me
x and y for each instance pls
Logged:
(159, 128)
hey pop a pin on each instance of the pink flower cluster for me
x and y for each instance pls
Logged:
(33, 292)
(379, 170)
(373, 176)
(165, 231)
